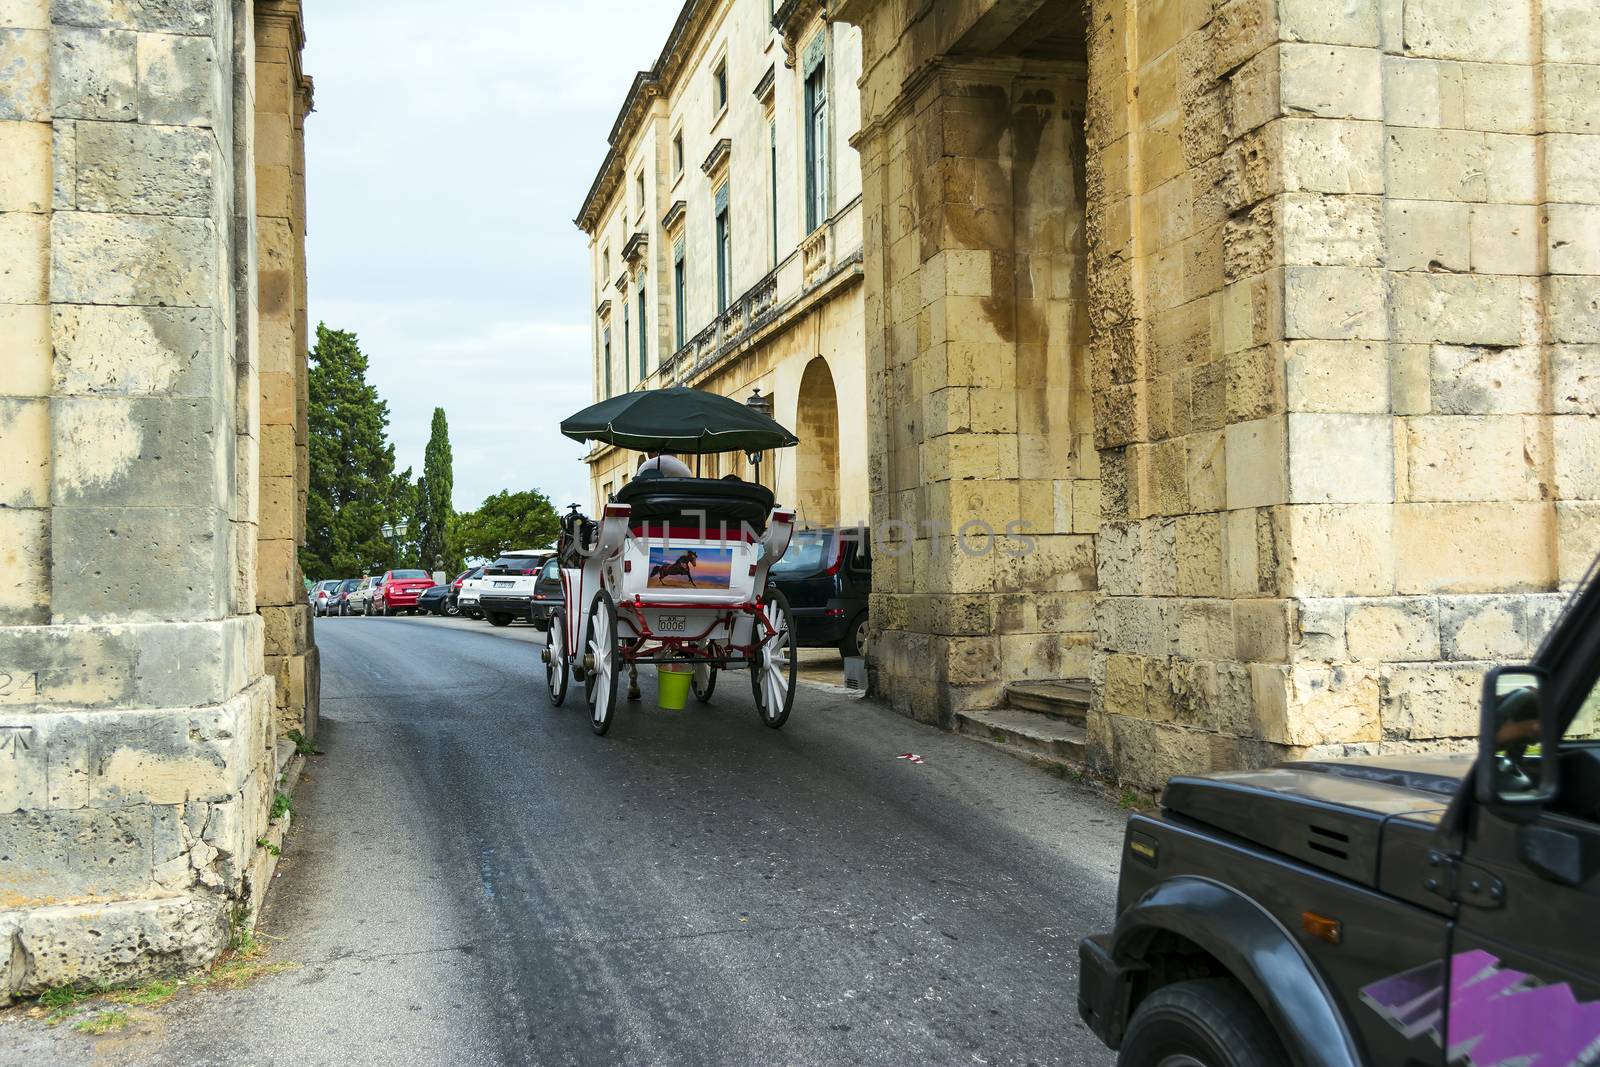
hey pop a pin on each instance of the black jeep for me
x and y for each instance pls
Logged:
(1393, 911)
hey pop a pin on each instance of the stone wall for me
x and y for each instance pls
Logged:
(977, 333)
(136, 726)
(1345, 317)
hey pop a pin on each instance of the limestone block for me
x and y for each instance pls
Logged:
(1253, 94)
(1198, 543)
(1573, 238)
(25, 58)
(1491, 546)
(1124, 685)
(170, 563)
(1340, 231)
(135, 452)
(1319, 631)
(1483, 628)
(1499, 33)
(57, 856)
(146, 170)
(1499, 97)
(1334, 303)
(171, 16)
(24, 258)
(1427, 701)
(1456, 309)
(1307, 704)
(1341, 549)
(1392, 629)
(114, 943)
(133, 259)
(1426, 164)
(178, 80)
(1410, 392)
(1511, 168)
(1570, 33)
(24, 452)
(1575, 375)
(1256, 463)
(1330, 81)
(1577, 456)
(1337, 376)
(1427, 235)
(132, 351)
(1485, 381)
(1422, 92)
(1455, 457)
(1206, 473)
(1572, 98)
(1573, 309)
(1347, 22)
(24, 566)
(1577, 538)
(1572, 168)
(93, 74)
(25, 180)
(1261, 630)
(1340, 458)
(24, 350)
(1326, 155)
(25, 14)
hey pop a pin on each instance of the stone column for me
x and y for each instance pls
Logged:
(283, 98)
(1344, 326)
(135, 716)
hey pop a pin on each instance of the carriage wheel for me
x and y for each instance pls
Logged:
(555, 667)
(704, 682)
(772, 670)
(600, 683)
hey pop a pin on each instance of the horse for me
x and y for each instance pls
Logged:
(682, 565)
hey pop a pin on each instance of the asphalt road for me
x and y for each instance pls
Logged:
(474, 878)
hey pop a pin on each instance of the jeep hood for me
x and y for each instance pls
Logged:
(1332, 814)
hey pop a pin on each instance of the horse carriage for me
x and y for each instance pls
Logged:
(673, 573)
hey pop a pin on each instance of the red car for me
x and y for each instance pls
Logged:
(397, 592)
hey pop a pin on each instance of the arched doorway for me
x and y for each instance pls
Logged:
(817, 459)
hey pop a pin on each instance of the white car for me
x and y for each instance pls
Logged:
(506, 590)
(467, 595)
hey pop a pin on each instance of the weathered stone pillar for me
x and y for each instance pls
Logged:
(283, 98)
(1344, 326)
(136, 767)
(984, 475)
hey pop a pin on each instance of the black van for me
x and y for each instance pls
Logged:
(827, 575)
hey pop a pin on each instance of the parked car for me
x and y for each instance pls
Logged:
(339, 602)
(432, 600)
(397, 591)
(322, 595)
(467, 597)
(1413, 909)
(546, 594)
(827, 576)
(453, 602)
(506, 590)
(359, 601)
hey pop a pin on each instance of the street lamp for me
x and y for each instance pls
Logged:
(762, 405)
(394, 535)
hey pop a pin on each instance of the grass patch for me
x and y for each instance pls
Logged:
(303, 744)
(272, 850)
(146, 994)
(103, 1022)
(240, 970)
(281, 806)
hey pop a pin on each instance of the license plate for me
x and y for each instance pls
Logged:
(665, 623)
(504, 585)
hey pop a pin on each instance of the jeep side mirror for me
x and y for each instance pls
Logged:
(1517, 740)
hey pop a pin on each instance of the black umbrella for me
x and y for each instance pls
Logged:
(677, 420)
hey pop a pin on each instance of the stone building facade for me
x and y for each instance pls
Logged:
(725, 240)
(154, 638)
(1278, 320)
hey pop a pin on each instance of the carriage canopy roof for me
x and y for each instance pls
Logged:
(677, 419)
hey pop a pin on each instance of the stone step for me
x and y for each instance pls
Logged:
(1064, 698)
(1042, 739)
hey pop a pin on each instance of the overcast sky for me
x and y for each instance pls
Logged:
(450, 149)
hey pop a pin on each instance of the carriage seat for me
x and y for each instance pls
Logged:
(681, 501)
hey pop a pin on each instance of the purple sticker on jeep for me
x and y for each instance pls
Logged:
(1499, 1017)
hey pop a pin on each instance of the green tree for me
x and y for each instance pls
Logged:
(433, 498)
(504, 521)
(352, 465)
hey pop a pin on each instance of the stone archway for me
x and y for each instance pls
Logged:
(817, 457)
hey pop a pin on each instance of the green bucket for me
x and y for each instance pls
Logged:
(672, 685)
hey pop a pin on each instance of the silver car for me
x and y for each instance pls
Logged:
(360, 600)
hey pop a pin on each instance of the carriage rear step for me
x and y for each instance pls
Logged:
(1062, 698)
(1027, 734)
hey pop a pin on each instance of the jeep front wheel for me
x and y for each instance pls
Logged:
(1210, 1022)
